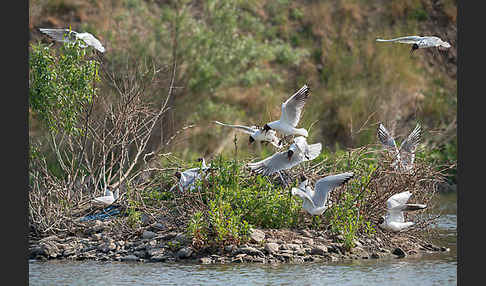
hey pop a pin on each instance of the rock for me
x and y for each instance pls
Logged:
(37, 251)
(256, 235)
(169, 236)
(375, 255)
(297, 241)
(129, 258)
(50, 249)
(271, 247)
(301, 252)
(306, 233)
(148, 234)
(307, 240)
(156, 252)
(158, 226)
(184, 252)
(180, 237)
(140, 253)
(249, 250)
(319, 250)
(205, 260)
(293, 246)
(230, 248)
(399, 252)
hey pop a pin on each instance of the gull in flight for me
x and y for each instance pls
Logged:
(291, 111)
(405, 155)
(188, 178)
(316, 201)
(297, 153)
(66, 35)
(396, 205)
(419, 42)
(256, 134)
(108, 198)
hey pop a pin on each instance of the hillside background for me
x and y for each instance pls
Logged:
(237, 61)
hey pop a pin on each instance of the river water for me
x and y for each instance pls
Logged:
(429, 269)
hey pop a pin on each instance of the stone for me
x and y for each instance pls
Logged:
(297, 241)
(229, 248)
(184, 252)
(307, 240)
(249, 250)
(271, 247)
(156, 251)
(158, 226)
(399, 252)
(293, 246)
(256, 235)
(169, 236)
(319, 250)
(129, 258)
(147, 234)
(205, 260)
(306, 233)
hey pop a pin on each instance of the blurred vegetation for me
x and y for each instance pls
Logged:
(237, 61)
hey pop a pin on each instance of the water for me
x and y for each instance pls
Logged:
(430, 269)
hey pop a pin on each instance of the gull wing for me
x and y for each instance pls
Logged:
(408, 147)
(410, 144)
(325, 185)
(91, 41)
(292, 107)
(246, 129)
(277, 162)
(303, 195)
(403, 40)
(60, 35)
(398, 200)
(386, 139)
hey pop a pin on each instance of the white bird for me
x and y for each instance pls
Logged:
(297, 153)
(108, 198)
(419, 42)
(256, 134)
(405, 155)
(290, 116)
(66, 35)
(316, 202)
(396, 205)
(189, 177)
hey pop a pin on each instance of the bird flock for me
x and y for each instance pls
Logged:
(315, 200)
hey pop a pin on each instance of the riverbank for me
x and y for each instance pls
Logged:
(97, 242)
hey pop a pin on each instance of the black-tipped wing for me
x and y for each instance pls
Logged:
(60, 35)
(277, 162)
(292, 107)
(325, 185)
(386, 139)
(246, 129)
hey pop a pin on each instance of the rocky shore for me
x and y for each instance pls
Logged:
(99, 242)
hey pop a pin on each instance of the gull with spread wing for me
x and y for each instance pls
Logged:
(108, 198)
(66, 35)
(189, 177)
(405, 155)
(316, 201)
(256, 134)
(291, 111)
(297, 153)
(396, 205)
(419, 42)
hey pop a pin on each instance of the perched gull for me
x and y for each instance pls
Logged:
(419, 42)
(188, 178)
(256, 134)
(291, 110)
(405, 155)
(297, 153)
(315, 202)
(66, 35)
(108, 198)
(396, 205)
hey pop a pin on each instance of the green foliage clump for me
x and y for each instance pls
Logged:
(62, 86)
